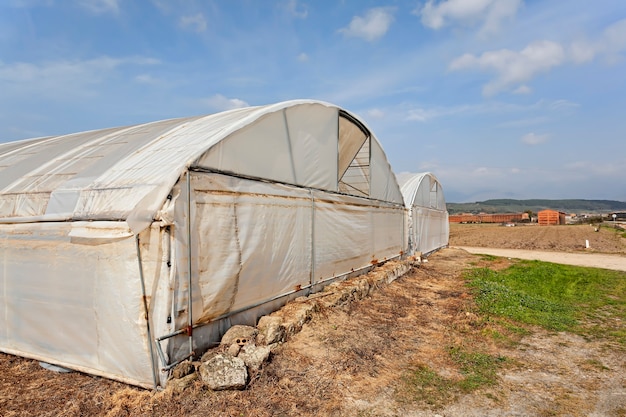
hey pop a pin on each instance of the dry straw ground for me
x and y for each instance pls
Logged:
(361, 360)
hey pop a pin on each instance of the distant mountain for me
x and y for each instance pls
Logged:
(535, 205)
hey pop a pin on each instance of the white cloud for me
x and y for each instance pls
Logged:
(62, 78)
(614, 38)
(534, 139)
(531, 121)
(196, 22)
(511, 67)
(560, 104)
(582, 51)
(101, 6)
(147, 79)
(421, 114)
(372, 26)
(488, 13)
(482, 171)
(299, 11)
(219, 102)
(471, 183)
(522, 89)
(611, 44)
(375, 114)
(615, 170)
(302, 57)
(425, 114)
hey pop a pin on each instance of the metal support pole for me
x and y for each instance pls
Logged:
(312, 277)
(146, 311)
(189, 251)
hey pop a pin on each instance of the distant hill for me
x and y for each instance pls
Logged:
(519, 206)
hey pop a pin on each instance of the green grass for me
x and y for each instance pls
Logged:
(557, 297)
(478, 369)
(586, 301)
(615, 229)
(422, 384)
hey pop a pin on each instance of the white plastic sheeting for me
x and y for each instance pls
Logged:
(228, 214)
(126, 173)
(73, 304)
(428, 226)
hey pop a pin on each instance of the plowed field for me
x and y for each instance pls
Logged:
(566, 238)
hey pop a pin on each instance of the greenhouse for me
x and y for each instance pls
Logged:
(428, 227)
(126, 250)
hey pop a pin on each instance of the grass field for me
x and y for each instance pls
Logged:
(510, 304)
(586, 301)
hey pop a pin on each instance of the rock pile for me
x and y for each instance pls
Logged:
(244, 348)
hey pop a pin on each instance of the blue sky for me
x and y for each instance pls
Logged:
(498, 98)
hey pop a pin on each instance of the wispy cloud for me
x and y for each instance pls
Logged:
(375, 114)
(532, 121)
(373, 25)
(611, 44)
(63, 76)
(196, 22)
(302, 57)
(297, 10)
(512, 68)
(425, 114)
(522, 89)
(561, 104)
(489, 14)
(101, 6)
(219, 102)
(147, 79)
(533, 139)
(609, 169)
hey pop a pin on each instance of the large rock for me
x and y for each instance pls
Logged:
(254, 356)
(271, 330)
(239, 334)
(182, 370)
(224, 372)
(181, 384)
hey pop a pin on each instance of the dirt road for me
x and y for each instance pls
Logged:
(595, 260)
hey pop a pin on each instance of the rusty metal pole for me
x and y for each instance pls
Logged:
(146, 311)
(189, 252)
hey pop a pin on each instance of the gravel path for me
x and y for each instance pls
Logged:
(595, 260)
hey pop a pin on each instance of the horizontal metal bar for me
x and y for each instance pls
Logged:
(158, 340)
(170, 366)
(268, 181)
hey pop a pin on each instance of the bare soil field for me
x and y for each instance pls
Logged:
(357, 359)
(565, 238)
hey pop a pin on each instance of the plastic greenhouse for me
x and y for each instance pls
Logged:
(428, 227)
(123, 251)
